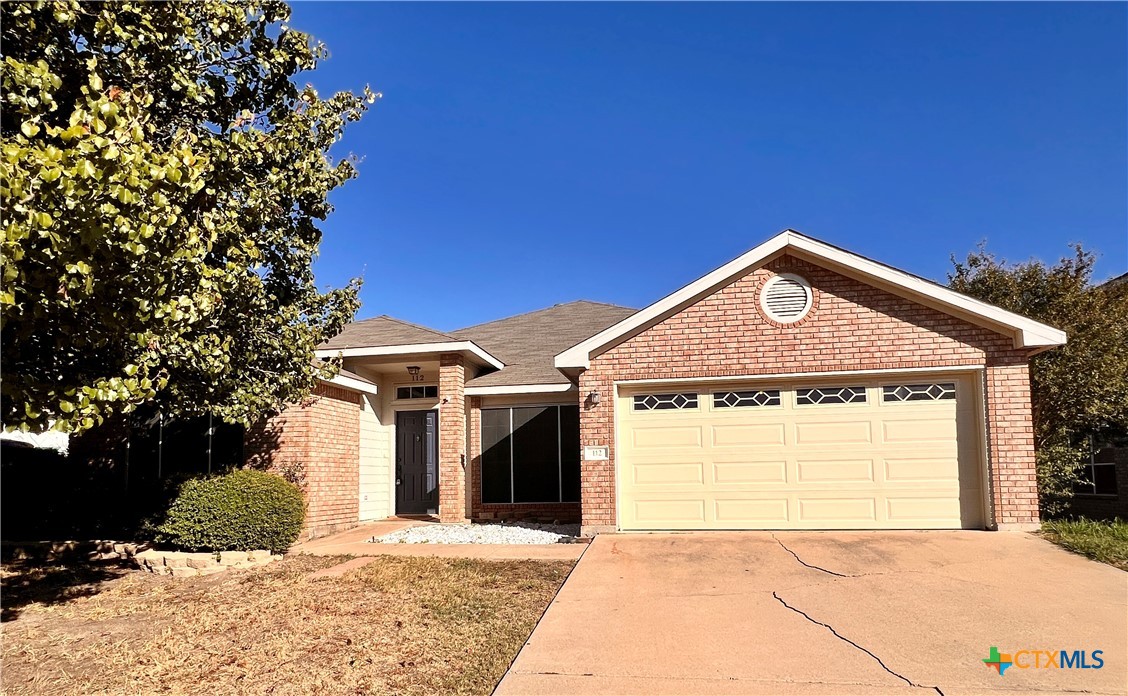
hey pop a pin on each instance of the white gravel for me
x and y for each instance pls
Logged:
(518, 533)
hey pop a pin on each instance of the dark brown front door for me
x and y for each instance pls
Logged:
(417, 470)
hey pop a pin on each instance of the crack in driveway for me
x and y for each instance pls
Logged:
(843, 638)
(808, 565)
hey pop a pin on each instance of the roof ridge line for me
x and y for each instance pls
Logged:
(542, 309)
(412, 325)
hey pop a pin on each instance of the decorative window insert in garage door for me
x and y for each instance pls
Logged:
(840, 453)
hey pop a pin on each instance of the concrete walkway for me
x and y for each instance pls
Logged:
(354, 542)
(824, 613)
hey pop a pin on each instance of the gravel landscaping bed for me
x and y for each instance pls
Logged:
(519, 533)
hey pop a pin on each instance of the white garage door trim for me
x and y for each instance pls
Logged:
(974, 376)
(804, 376)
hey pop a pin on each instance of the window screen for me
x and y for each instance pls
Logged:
(531, 454)
(496, 456)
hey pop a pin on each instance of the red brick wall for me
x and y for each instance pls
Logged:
(452, 437)
(852, 326)
(323, 437)
(1010, 441)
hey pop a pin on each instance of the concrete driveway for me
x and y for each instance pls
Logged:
(825, 613)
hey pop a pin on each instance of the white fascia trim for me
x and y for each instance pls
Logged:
(1028, 333)
(813, 375)
(354, 384)
(520, 389)
(579, 355)
(448, 347)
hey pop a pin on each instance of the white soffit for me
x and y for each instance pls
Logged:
(448, 347)
(354, 384)
(1027, 333)
(519, 389)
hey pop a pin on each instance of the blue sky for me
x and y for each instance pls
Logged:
(525, 155)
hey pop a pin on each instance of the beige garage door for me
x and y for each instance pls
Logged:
(894, 453)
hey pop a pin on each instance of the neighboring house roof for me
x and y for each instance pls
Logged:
(527, 343)
(384, 331)
(1026, 333)
(1118, 280)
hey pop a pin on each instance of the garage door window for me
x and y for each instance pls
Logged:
(745, 399)
(664, 402)
(918, 392)
(830, 395)
(531, 454)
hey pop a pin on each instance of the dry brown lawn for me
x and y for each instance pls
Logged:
(399, 625)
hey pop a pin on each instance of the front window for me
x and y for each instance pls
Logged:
(1100, 473)
(417, 391)
(531, 454)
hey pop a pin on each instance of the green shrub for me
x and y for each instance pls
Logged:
(239, 511)
(1059, 470)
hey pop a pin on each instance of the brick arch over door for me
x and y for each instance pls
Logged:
(854, 326)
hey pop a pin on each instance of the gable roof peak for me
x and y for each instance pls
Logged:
(384, 330)
(1025, 332)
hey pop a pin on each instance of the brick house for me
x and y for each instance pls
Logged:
(799, 386)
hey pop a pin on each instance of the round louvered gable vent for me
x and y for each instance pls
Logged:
(786, 298)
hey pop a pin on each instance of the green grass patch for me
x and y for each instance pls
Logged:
(1106, 542)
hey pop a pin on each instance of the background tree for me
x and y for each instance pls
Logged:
(1079, 389)
(162, 178)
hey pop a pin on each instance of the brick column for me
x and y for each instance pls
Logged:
(475, 457)
(597, 478)
(1011, 447)
(452, 438)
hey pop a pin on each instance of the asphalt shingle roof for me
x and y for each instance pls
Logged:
(528, 343)
(1121, 279)
(384, 331)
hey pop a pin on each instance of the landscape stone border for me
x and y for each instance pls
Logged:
(69, 551)
(182, 564)
(146, 558)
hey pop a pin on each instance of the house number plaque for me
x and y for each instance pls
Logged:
(595, 454)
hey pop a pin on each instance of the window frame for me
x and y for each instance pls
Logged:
(696, 396)
(1089, 490)
(512, 463)
(717, 404)
(865, 400)
(943, 383)
(411, 385)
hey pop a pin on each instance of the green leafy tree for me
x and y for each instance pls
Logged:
(163, 177)
(1079, 389)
